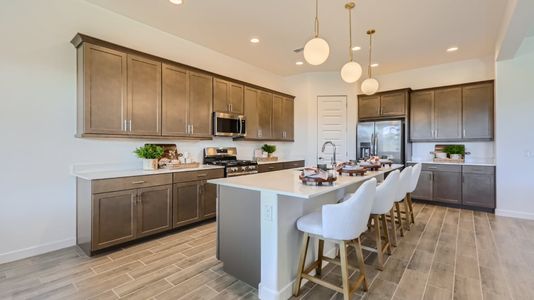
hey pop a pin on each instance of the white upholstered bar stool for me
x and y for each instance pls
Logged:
(403, 187)
(382, 206)
(416, 173)
(340, 223)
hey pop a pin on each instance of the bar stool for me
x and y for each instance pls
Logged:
(382, 205)
(416, 173)
(341, 223)
(403, 187)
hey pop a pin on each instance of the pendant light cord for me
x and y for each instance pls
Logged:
(350, 35)
(316, 18)
(369, 72)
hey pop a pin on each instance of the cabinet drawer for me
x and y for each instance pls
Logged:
(270, 167)
(479, 169)
(442, 168)
(198, 175)
(294, 164)
(127, 183)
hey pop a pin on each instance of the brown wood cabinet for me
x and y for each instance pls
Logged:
(200, 96)
(228, 96)
(154, 210)
(424, 186)
(447, 186)
(251, 112)
(383, 105)
(454, 113)
(209, 200)
(265, 113)
(277, 166)
(186, 203)
(478, 186)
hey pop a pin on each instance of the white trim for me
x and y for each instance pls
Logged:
(514, 214)
(36, 250)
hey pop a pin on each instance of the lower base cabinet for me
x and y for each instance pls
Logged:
(471, 186)
(277, 166)
(186, 203)
(154, 210)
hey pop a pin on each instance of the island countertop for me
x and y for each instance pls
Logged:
(286, 182)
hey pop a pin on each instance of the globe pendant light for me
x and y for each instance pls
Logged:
(370, 85)
(351, 71)
(316, 50)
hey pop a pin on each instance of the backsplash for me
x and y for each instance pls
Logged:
(481, 152)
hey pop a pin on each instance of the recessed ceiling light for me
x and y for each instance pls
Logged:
(356, 48)
(254, 40)
(374, 65)
(299, 63)
(177, 2)
(452, 49)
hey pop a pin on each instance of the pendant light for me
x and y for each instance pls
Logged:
(370, 85)
(316, 50)
(351, 71)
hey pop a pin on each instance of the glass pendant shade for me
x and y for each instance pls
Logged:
(351, 72)
(316, 51)
(370, 86)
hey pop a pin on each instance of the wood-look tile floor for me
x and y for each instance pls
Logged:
(447, 254)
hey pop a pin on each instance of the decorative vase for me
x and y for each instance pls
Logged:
(456, 156)
(150, 164)
(269, 155)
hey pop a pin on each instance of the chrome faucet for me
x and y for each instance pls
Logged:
(334, 154)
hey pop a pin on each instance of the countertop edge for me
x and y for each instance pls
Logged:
(452, 163)
(133, 173)
(278, 161)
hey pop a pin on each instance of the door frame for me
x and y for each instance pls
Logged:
(317, 124)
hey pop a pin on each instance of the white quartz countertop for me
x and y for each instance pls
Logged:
(482, 163)
(287, 182)
(278, 161)
(130, 173)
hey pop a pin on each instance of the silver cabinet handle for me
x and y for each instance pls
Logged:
(231, 108)
(130, 126)
(464, 132)
(202, 175)
(188, 129)
(138, 182)
(124, 125)
(192, 129)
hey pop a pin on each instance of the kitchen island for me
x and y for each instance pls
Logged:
(257, 237)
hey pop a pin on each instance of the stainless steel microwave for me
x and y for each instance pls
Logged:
(225, 124)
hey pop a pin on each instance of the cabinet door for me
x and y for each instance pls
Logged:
(265, 111)
(278, 118)
(393, 104)
(368, 106)
(251, 112)
(447, 187)
(209, 200)
(270, 167)
(174, 101)
(105, 85)
(288, 113)
(154, 210)
(221, 89)
(422, 115)
(235, 98)
(477, 106)
(114, 218)
(448, 113)
(186, 203)
(423, 191)
(144, 96)
(478, 190)
(200, 99)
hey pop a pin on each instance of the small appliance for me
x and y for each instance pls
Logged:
(232, 125)
(227, 157)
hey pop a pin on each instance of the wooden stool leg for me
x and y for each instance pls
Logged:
(378, 235)
(302, 260)
(344, 270)
(320, 258)
(399, 216)
(393, 227)
(361, 263)
(386, 234)
(369, 223)
(410, 203)
(407, 214)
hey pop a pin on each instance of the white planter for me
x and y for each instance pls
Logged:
(150, 164)
(456, 156)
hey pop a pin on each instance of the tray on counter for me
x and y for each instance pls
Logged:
(317, 181)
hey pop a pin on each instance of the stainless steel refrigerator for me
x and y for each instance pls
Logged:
(381, 138)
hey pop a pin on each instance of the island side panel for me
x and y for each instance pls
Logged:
(238, 238)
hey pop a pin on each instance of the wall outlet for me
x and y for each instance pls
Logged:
(268, 216)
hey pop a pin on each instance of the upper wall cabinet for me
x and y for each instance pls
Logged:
(383, 105)
(228, 96)
(283, 118)
(456, 113)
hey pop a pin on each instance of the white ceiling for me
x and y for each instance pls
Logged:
(410, 33)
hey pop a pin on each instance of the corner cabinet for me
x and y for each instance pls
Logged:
(388, 104)
(455, 113)
(118, 210)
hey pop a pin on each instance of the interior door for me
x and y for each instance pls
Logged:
(332, 126)
(389, 140)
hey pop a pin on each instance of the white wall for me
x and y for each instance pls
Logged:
(37, 119)
(515, 135)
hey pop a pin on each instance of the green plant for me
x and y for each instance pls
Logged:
(149, 152)
(268, 148)
(455, 149)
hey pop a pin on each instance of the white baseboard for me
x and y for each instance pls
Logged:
(36, 250)
(514, 214)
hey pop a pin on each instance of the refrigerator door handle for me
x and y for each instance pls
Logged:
(376, 147)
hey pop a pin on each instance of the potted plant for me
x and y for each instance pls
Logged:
(150, 155)
(270, 149)
(455, 151)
